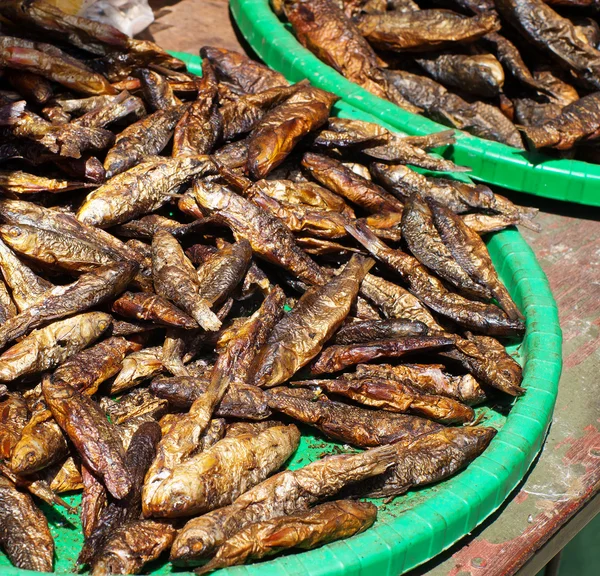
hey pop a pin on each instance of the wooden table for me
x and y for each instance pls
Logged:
(559, 495)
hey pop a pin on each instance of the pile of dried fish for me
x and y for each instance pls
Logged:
(504, 70)
(197, 269)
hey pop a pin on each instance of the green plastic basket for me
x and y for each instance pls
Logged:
(531, 172)
(419, 525)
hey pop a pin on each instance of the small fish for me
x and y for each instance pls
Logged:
(370, 330)
(47, 347)
(304, 530)
(152, 307)
(241, 72)
(282, 494)
(301, 334)
(24, 533)
(427, 459)
(129, 195)
(424, 30)
(137, 367)
(175, 278)
(201, 126)
(343, 181)
(144, 138)
(217, 476)
(347, 423)
(94, 437)
(14, 415)
(156, 90)
(18, 182)
(276, 135)
(338, 357)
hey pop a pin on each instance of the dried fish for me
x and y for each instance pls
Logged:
(152, 307)
(305, 530)
(285, 493)
(24, 533)
(370, 330)
(301, 334)
(346, 423)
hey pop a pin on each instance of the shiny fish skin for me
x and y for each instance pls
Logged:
(151, 307)
(216, 477)
(429, 378)
(427, 459)
(268, 236)
(145, 137)
(337, 357)
(553, 34)
(305, 530)
(88, 291)
(17, 182)
(284, 493)
(201, 126)
(276, 135)
(427, 246)
(301, 334)
(243, 114)
(41, 444)
(368, 331)
(577, 121)
(335, 176)
(396, 396)
(479, 74)
(133, 545)
(95, 439)
(486, 318)
(175, 278)
(138, 366)
(346, 423)
(24, 533)
(470, 252)
(324, 29)
(424, 29)
(140, 190)
(13, 418)
(236, 69)
(156, 90)
(47, 347)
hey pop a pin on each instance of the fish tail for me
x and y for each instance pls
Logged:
(206, 317)
(506, 302)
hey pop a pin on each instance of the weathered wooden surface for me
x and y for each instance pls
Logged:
(567, 473)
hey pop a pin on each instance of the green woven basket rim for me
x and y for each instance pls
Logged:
(492, 162)
(465, 500)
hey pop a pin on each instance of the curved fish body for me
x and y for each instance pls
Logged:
(343, 181)
(144, 138)
(94, 437)
(276, 135)
(479, 74)
(41, 445)
(14, 416)
(156, 90)
(553, 34)
(137, 367)
(305, 530)
(246, 75)
(396, 396)
(345, 423)
(337, 357)
(301, 334)
(427, 459)
(471, 254)
(24, 533)
(427, 246)
(175, 278)
(87, 291)
(430, 378)
(152, 307)
(48, 347)
(283, 494)
(268, 236)
(201, 126)
(217, 476)
(486, 318)
(140, 190)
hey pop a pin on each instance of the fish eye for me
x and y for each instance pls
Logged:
(13, 231)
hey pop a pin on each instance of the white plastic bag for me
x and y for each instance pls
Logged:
(129, 16)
